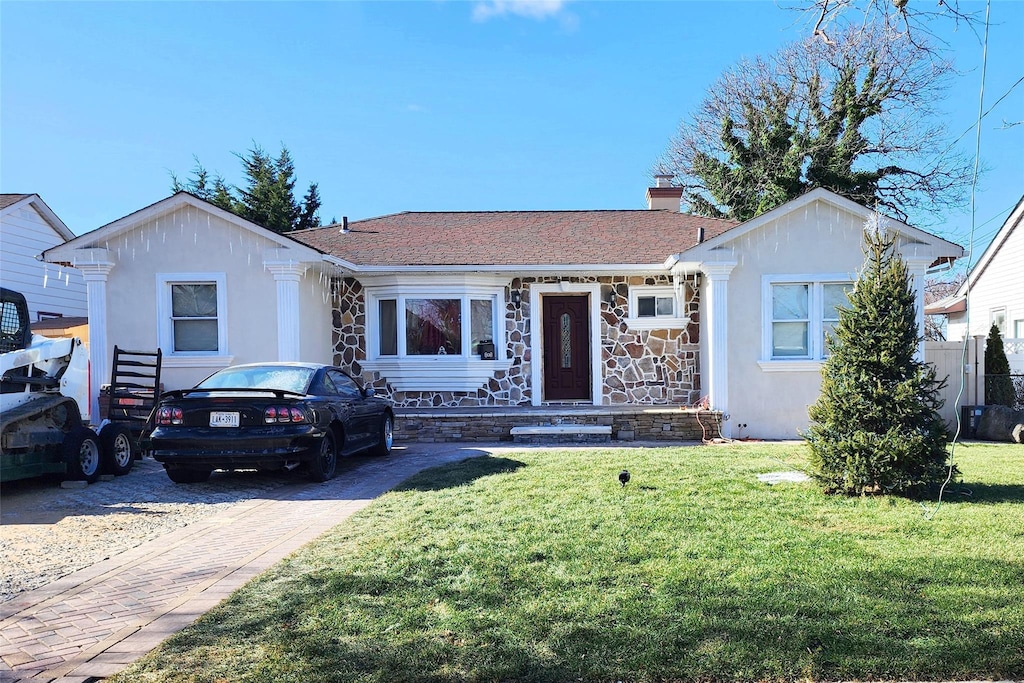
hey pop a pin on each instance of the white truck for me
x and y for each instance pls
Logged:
(44, 406)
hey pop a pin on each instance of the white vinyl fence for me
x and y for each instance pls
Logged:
(964, 370)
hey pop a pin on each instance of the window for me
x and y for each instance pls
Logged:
(654, 307)
(998, 318)
(433, 325)
(1018, 329)
(192, 315)
(345, 385)
(799, 315)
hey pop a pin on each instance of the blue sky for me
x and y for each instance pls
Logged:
(399, 106)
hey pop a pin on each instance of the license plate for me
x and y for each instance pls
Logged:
(218, 419)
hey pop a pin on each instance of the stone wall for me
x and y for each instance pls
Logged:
(641, 367)
(643, 424)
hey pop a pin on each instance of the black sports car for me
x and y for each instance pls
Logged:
(268, 416)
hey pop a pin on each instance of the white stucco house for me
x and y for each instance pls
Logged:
(28, 227)
(472, 309)
(208, 288)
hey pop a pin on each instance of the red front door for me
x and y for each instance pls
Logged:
(566, 348)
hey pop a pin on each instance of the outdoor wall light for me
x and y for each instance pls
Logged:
(612, 296)
(516, 297)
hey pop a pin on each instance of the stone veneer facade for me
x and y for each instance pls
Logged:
(641, 367)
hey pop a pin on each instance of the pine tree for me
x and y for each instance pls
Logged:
(876, 427)
(268, 198)
(998, 383)
(310, 217)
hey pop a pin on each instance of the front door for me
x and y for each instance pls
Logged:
(566, 348)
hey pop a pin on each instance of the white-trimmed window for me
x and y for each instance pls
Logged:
(442, 324)
(799, 312)
(1018, 329)
(192, 314)
(997, 317)
(655, 307)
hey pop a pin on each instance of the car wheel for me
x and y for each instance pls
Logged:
(82, 454)
(324, 464)
(118, 449)
(385, 436)
(188, 475)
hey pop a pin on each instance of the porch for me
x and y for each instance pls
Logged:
(554, 423)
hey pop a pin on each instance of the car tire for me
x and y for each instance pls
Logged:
(118, 449)
(324, 464)
(385, 436)
(82, 454)
(189, 475)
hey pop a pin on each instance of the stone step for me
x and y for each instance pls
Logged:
(562, 433)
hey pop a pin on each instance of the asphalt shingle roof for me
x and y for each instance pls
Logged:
(8, 199)
(513, 238)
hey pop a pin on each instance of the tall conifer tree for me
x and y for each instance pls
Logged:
(998, 383)
(876, 426)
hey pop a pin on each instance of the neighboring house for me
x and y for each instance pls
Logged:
(28, 227)
(207, 287)
(505, 308)
(993, 292)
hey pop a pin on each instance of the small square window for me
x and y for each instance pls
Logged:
(655, 307)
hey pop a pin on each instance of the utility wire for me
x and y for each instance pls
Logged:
(929, 515)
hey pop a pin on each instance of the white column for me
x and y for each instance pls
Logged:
(716, 331)
(287, 275)
(917, 266)
(95, 275)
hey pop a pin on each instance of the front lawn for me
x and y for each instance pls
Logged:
(538, 566)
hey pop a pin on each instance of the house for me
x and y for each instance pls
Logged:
(208, 288)
(993, 293)
(28, 227)
(611, 308)
(646, 308)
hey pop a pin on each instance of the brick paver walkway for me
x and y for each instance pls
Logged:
(93, 623)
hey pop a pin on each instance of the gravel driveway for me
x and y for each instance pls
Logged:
(47, 532)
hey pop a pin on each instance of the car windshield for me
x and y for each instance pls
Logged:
(260, 377)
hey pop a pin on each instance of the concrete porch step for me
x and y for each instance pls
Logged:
(561, 433)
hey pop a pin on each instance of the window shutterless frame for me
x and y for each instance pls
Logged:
(168, 317)
(794, 319)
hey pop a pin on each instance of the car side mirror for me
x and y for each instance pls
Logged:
(369, 392)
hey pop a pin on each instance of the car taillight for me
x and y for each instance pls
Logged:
(170, 415)
(283, 414)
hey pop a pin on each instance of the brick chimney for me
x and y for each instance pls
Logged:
(663, 196)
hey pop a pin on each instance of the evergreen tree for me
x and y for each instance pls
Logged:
(998, 383)
(310, 217)
(875, 427)
(268, 198)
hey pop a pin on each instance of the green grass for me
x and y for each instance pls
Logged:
(537, 566)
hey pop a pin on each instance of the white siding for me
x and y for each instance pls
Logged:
(999, 285)
(24, 235)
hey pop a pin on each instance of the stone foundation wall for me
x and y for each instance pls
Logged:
(641, 367)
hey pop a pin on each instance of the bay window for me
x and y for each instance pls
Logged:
(415, 325)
